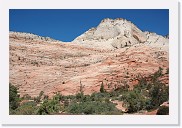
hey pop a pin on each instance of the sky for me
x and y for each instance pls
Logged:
(67, 24)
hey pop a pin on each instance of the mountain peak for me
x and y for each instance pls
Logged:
(116, 33)
(113, 20)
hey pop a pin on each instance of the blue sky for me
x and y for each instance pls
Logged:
(67, 24)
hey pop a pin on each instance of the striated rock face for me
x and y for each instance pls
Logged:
(99, 55)
(154, 39)
(117, 33)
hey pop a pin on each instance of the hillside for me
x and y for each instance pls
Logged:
(115, 53)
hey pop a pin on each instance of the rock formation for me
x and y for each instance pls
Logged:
(115, 53)
(30, 36)
(117, 33)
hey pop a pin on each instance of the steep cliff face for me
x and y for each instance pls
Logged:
(114, 53)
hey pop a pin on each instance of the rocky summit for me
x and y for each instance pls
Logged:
(114, 54)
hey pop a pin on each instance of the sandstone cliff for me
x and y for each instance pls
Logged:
(115, 53)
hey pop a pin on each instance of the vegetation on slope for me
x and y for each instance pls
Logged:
(148, 94)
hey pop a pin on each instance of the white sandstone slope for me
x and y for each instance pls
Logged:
(153, 38)
(117, 33)
(30, 36)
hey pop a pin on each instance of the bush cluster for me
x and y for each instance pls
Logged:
(147, 94)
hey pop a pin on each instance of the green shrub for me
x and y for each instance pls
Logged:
(163, 110)
(99, 96)
(49, 106)
(157, 74)
(38, 98)
(102, 88)
(28, 108)
(14, 98)
(79, 96)
(91, 107)
(134, 100)
(159, 93)
(147, 94)
(167, 71)
(26, 97)
(142, 84)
